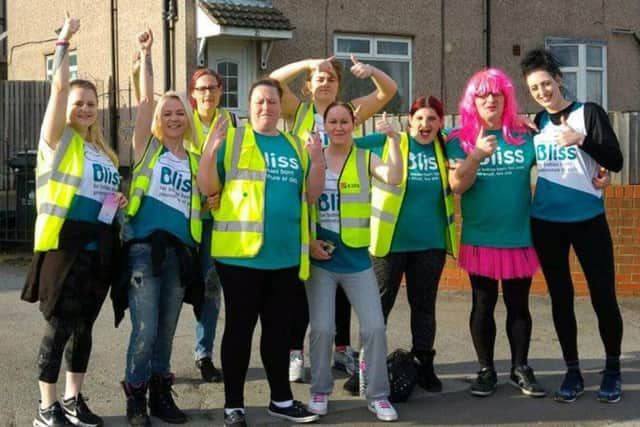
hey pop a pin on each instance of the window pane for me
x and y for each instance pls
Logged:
(594, 56)
(393, 48)
(594, 87)
(569, 85)
(232, 84)
(399, 71)
(354, 46)
(73, 60)
(232, 100)
(567, 55)
(222, 68)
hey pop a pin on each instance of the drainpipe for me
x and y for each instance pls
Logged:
(114, 103)
(166, 44)
(486, 6)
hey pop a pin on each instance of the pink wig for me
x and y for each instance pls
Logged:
(489, 80)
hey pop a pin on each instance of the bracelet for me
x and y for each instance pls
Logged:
(62, 43)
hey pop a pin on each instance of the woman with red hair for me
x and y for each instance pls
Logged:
(491, 155)
(398, 246)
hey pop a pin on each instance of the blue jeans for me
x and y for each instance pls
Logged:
(206, 326)
(154, 304)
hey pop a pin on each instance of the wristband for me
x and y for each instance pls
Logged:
(62, 43)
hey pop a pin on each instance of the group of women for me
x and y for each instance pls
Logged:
(287, 211)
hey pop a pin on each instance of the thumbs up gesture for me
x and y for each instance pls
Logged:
(360, 70)
(486, 145)
(568, 136)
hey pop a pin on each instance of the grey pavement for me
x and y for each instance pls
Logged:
(22, 327)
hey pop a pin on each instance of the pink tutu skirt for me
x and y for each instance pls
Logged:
(498, 263)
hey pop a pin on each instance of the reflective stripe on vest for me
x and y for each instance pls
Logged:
(197, 147)
(354, 201)
(141, 182)
(56, 185)
(238, 226)
(386, 201)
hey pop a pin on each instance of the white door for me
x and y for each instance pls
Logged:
(234, 60)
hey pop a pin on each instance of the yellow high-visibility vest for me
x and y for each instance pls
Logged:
(197, 147)
(238, 226)
(354, 189)
(141, 181)
(386, 201)
(56, 184)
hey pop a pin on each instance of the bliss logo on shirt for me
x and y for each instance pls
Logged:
(105, 175)
(329, 202)
(422, 162)
(499, 158)
(175, 179)
(286, 162)
(546, 152)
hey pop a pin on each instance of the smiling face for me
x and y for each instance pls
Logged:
(490, 107)
(339, 124)
(173, 119)
(545, 90)
(264, 109)
(323, 86)
(424, 125)
(82, 108)
(206, 92)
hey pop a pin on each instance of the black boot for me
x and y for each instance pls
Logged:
(136, 404)
(427, 378)
(161, 402)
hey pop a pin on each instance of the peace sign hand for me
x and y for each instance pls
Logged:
(314, 148)
(568, 136)
(360, 70)
(217, 136)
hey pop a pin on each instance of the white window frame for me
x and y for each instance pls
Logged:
(582, 68)
(373, 51)
(73, 69)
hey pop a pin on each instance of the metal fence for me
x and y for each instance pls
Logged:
(22, 107)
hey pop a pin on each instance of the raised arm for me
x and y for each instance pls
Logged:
(463, 174)
(55, 115)
(316, 177)
(208, 178)
(288, 73)
(146, 104)
(386, 87)
(392, 170)
(135, 77)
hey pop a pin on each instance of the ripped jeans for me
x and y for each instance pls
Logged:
(154, 305)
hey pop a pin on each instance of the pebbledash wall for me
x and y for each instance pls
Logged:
(623, 214)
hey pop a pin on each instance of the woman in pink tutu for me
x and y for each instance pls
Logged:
(490, 159)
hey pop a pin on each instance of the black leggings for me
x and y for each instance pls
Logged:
(423, 270)
(72, 322)
(515, 293)
(300, 319)
(592, 244)
(248, 294)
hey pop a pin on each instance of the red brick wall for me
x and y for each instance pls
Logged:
(623, 214)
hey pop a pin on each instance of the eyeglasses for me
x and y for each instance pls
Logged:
(203, 89)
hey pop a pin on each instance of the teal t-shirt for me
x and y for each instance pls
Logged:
(495, 210)
(344, 259)
(166, 206)
(282, 209)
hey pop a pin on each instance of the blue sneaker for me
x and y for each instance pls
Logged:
(572, 387)
(611, 387)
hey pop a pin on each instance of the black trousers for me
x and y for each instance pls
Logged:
(250, 294)
(515, 293)
(300, 320)
(591, 241)
(71, 325)
(422, 270)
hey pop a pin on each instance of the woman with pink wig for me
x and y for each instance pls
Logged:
(490, 159)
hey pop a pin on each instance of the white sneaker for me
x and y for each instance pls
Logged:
(383, 410)
(318, 404)
(296, 366)
(344, 360)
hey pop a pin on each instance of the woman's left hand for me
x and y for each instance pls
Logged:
(384, 126)
(568, 136)
(120, 199)
(314, 148)
(602, 179)
(360, 70)
(213, 202)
